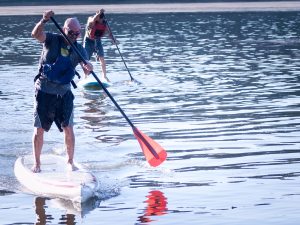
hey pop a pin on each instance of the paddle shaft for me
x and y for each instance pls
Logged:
(117, 47)
(140, 136)
(95, 76)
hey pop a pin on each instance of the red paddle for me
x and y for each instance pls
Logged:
(153, 152)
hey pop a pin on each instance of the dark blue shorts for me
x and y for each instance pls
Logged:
(93, 46)
(49, 108)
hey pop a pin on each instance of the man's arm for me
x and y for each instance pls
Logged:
(38, 31)
(92, 19)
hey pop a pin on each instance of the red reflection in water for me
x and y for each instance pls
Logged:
(156, 206)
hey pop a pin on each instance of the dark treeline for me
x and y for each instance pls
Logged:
(77, 2)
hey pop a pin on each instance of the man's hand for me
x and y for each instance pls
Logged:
(100, 13)
(47, 14)
(87, 68)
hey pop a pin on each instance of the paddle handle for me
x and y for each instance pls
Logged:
(95, 76)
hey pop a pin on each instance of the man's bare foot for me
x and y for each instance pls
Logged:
(36, 169)
(105, 79)
(71, 167)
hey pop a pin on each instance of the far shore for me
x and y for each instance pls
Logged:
(154, 8)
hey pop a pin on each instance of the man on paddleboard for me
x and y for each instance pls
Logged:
(53, 95)
(96, 28)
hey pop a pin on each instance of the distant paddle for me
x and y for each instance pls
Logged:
(153, 152)
(115, 42)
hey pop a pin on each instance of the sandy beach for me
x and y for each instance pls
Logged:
(149, 8)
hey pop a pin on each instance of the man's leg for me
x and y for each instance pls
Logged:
(69, 145)
(37, 145)
(103, 68)
(100, 57)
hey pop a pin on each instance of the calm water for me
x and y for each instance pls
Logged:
(220, 92)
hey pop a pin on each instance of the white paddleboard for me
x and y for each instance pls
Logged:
(90, 83)
(55, 181)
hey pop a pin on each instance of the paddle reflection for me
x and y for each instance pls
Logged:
(93, 110)
(72, 209)
(156, 206)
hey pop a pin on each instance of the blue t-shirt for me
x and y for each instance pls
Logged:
(49, 54)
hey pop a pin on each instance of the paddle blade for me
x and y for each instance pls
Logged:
(153, 152)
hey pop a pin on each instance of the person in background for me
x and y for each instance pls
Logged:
(53, 95)
(96, 28)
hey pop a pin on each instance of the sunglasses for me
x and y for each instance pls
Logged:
(73, 33)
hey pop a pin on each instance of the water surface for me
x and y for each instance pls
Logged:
(220, 92)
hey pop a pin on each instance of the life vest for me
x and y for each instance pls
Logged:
(97, 31)
(61, 71)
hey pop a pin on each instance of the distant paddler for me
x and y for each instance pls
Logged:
(96, 29)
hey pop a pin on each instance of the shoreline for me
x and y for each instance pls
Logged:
(154, 8)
